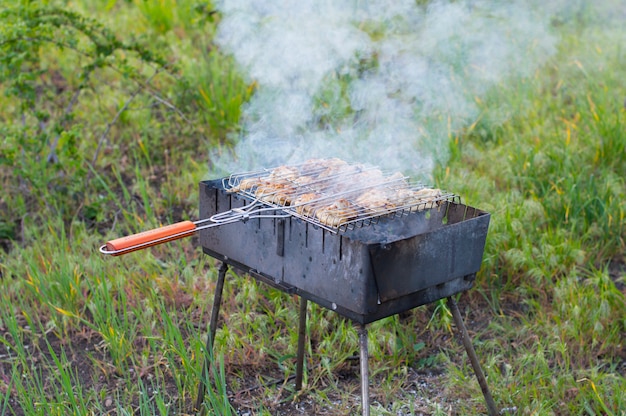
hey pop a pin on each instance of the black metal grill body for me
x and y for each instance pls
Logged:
(364, 274)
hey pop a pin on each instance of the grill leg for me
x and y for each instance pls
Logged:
(208, 354)
(467, 343)
(301, 336)
(365, 382)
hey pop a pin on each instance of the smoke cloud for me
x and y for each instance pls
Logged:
(380, 82)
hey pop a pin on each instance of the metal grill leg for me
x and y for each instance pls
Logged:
(301, 337)
(482, 381)
(208, 349)
(365, 382)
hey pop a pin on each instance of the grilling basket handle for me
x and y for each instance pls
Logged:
(160, 235)
(148, 238)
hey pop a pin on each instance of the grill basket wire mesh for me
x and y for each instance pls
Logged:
(335, 195)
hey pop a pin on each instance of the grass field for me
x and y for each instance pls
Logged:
(109, 112)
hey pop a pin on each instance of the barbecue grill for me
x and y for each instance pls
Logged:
(365, 262)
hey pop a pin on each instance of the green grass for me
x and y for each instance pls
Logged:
(84, 334)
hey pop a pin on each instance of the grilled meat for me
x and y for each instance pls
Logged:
(337, 213)
(419, 200)
(335, 192)
(377, 201)
(305, 204)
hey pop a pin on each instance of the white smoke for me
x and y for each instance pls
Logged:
(381, 82)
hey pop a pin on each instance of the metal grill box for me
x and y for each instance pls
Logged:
(365, 273)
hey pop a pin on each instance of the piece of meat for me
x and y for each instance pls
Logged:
(305, 204)
(376, 201)
(246, 184)
(418, 200)
(278, 193)
(337, 213)
(283, 173)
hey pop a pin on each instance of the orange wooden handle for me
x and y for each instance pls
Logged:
(151, 237)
